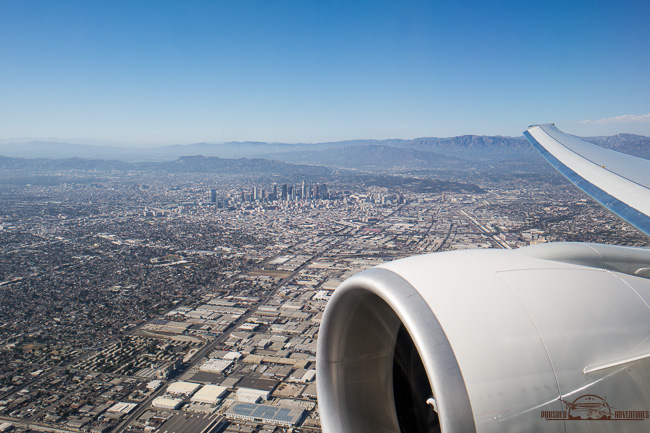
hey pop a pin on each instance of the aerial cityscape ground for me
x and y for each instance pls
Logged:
(191, 301)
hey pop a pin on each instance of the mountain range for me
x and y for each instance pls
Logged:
(184, 164)
(44, 149)
(418, 153)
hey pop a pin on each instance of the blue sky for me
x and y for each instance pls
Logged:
(163, 72)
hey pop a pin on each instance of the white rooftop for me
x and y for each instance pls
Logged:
(164, 402)
(232, 355)
(209, 394)
(215, 365)
(187, 388)
(122, 407)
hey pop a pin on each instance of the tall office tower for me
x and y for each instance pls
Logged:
(275, 193)
(243, 196)
(284, 191)
(255, 192)
(213, 195)
(323, 191)
(316, 191)
(263, 194)
(303, 191)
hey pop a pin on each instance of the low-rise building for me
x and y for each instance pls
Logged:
(209, 394)
(251, 389)
(183, 388)
(166, 403)
(215, 365)
(262, 413)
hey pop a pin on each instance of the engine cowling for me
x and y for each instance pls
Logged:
(490, 341)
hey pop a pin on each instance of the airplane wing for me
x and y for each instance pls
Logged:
(619, 182)
(493, 341)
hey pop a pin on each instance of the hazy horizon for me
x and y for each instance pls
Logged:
(109, 143)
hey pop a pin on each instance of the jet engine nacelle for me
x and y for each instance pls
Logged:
(550, 338)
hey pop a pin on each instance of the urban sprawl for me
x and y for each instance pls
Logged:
(191, 302)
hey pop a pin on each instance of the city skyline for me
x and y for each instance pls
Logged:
(148, 73)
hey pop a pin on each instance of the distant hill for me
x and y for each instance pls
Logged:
(466, 142)
(186, 164)
(213, 164)
(636, 145)
(370, 156)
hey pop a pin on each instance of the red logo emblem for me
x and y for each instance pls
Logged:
(591, 407)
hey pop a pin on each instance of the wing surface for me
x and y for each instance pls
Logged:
(619, 182)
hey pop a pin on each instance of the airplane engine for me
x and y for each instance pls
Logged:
(549, 338)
